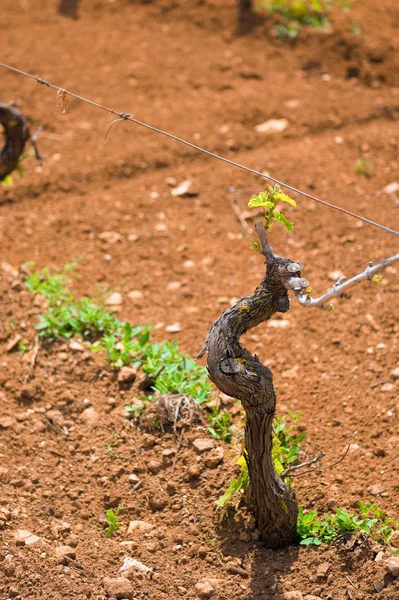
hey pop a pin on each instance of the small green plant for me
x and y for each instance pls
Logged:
(22, 347)
(220, 425)
(169, 370)
(372, 521)
(285, 451)
(364, 167)
(295, 14)
(112, 520)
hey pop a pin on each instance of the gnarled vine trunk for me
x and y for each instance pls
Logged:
(239, 374)
(16, 134)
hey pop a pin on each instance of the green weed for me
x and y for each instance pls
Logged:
(169, 369)
(373, 522)
(295, 14)
(112, 520)
(364, 167)
(220, 425)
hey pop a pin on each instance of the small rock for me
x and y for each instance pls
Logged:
(75, 346)
(395, 539)
(353, 448)
(173, 328)
(132, 567)
(214, 458)
(110, 237)
(272, 126)
(133, 237)
(90, 416)
(154, 466)
(312, 597)
(173, 286)
(118, 587)
(7, 422)
(114, 299)
(387, 387)
(202, 445)
(376, 490)
(279, 323)
(379, 556)
(391, 188)
(157, 502)
(135, 295)
(395, 373)
(64, 552)
(139, 528)
(171, 181)
(7, 268)
(185, 188)
(171, 488)
(234, 569)
(194, 471)
(23, 536)
(206, 588)
(127, 375)
(13, 343)
(392, 565)
(294, 595)
(334, 275)
(322, 570)
(133, 479)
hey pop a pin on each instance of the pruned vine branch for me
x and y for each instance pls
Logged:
(16, 134)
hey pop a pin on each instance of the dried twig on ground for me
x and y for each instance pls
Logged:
(32, 361)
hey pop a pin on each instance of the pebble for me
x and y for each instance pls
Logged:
(185, 188)
(157, 502)
(294, 595)
(23, 536)
(279, 323)
(391, 188)
(202, 445)
(392, 565)
(312, 597)
(7, 422)
(173, 328)
(334, 275)
(114, 299)
(74, 345)
(214, 458)
(387, 387)
(322, 570)
(135, 295)
(139, 527)
(118, 587)
(206, 588)
(395, 373)
(110, 237)
(234, 569)
(154, 466)
(395, 539)
(127, 374)
(90, 416)
(379, 556)
(132, 567)
(64, 552)
(272, 126)
(133, 479)
(376, 490)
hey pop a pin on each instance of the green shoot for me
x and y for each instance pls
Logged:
(364, 167)
(112, 520)
(220, 427)
(268, 201)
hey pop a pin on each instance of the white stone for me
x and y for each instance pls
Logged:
(132, 567)
(173, 328)
(272, 126)
(114, 299)
(110, 237)
(392, 188)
